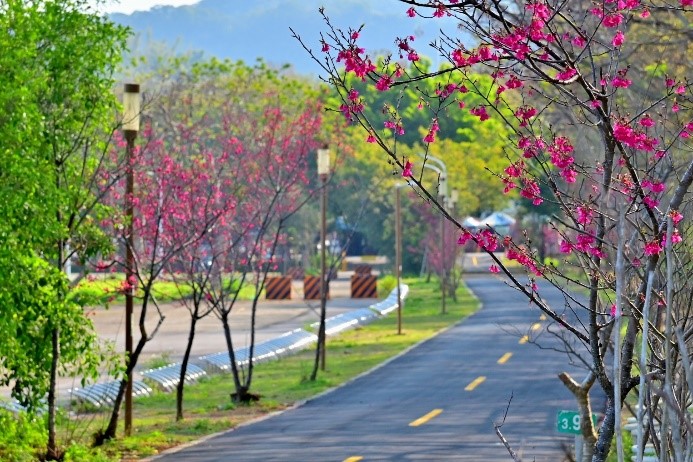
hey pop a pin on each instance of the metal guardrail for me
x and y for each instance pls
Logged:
(103, 394)
(345, 321)
(167, 377)
(219, 362)
(266, 351)
(389, 304)
(12, 406)
(363, 316)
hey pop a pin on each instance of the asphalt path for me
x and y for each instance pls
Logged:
(437, 402)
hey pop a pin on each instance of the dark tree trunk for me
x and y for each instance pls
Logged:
(606, 433)
(52, 452)
(184, 368)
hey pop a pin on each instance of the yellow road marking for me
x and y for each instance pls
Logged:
(542, 317)
(475, 261)
(503, 359)
(422, 420)
(536, 326)
(524, 339)
(475, 383)
(353, 459)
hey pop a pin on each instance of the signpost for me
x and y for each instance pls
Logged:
(569, 422)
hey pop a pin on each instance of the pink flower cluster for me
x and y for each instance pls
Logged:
(396, 127)
(585, 243)
(485, 239)
(480, 112)
(431, 135)
(353, 106)
(354, 62)
(632, 138)
(561, 156)
(523, 257)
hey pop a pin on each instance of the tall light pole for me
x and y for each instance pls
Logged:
(398, 252)
(323, 172)
(131, 125)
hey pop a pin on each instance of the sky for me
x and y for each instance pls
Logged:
(128, 6)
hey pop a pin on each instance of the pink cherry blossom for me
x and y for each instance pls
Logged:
(566, 74)
(676, 216)
(566, 247)
(480, 112)
(584, 215)
(406, 172)
(384, 83)
(653, 248)
(613, 20)
(618, 39)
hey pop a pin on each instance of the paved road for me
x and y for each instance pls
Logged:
(436, 403)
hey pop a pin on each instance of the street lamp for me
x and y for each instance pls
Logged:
(323, 172)
(398, 252)
(131, 125)
(440, 167)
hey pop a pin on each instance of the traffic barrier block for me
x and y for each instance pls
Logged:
(311, 288)
(364, 270)
(364, 286)
(278, 288)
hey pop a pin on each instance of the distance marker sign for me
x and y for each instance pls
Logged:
(569, 422)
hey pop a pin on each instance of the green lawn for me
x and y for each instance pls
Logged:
(103, 289)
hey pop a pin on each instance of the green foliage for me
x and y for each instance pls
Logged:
(386, 284)
(32, 306)
(21, 437)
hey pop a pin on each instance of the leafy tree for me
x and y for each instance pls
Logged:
(58, 63)
(609, 141)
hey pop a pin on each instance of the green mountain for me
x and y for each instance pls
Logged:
(247, 30)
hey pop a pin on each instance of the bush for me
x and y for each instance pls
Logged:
(386, 284)
(22, 437)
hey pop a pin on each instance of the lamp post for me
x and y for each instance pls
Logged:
(131, 125)
(323, 172)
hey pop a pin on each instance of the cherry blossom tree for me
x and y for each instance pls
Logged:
(277, 174)
(177, 199)
(599, 126)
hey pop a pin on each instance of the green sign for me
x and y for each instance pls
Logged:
(569, 422)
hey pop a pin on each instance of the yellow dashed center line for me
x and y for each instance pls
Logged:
(475, 261)
(503, 359)
(524, 339)
(422, 420)
(475, 383)
(353, 459)
(542, 317)
(536, 326)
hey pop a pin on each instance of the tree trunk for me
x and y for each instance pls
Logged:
(601, 449)
(238, 386)
(111, 429)
(184, 368)
(52, 452)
